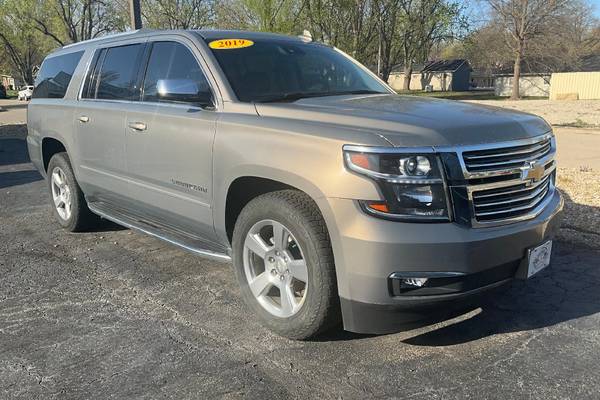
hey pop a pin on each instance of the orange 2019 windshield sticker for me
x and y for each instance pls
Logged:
(226, 44)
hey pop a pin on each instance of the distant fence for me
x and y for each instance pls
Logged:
(530, 85)
(575, 85)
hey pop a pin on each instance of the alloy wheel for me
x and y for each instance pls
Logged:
(61, 193)
(275, 268)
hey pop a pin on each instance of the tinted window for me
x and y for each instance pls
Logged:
(118, 72)
(54, 76)
(173, 75)
(271, 70)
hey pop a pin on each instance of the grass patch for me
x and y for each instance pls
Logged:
(579, 123)
(473, 95)
(11, 94)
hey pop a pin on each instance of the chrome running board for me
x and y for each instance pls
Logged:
(177, 238)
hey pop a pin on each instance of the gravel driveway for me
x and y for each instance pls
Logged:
(579, 113)
(117, 314)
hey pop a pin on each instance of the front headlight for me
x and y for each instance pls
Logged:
(412, 183)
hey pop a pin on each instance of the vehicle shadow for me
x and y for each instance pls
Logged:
(13, 151)
(15, 178)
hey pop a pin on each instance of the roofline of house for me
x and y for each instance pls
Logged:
(449, 70)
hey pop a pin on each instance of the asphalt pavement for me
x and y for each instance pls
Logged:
(116, 314)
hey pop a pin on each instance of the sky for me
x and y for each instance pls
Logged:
(477, 10)
(596, 4)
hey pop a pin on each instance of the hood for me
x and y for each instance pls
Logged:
(413, 121)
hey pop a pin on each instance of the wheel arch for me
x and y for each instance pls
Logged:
(49, 147)
(244, 189)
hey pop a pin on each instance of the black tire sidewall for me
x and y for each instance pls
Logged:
(301, 324)
(62, 161)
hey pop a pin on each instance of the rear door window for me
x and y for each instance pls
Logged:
(55, 75)
(118, 72)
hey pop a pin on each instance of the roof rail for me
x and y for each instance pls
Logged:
(107, 37)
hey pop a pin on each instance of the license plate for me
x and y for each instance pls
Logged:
(539, 258)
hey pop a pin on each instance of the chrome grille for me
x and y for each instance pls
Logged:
(509, 182)
(509, 201)
(506, 157)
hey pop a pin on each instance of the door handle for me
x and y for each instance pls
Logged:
(137, 126)
(83, 119)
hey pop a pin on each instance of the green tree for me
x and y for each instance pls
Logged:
(25, 47)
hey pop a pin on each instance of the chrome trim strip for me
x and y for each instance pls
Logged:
(534, 213)
(388, 177)
(501, 184)
(205, 253)
(495, 145)
(530, 196)
(460, 150)
(513, 161)
(527, 206)
(512, 153)
(541, 182)
(438, 274)
(388, 150)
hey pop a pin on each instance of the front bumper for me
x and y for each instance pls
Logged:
(368, 250)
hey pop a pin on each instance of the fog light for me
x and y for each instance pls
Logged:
(413, 282)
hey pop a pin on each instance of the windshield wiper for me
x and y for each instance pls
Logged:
(303, 95)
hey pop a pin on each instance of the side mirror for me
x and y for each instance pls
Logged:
(183, 90)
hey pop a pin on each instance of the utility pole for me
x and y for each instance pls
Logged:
(379, 47)
(135, 14)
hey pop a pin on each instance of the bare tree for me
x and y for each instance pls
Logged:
(521, 22)
(75, 20)
(180, 14)
(422, 24)
(351, 25)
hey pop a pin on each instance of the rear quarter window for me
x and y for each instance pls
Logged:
(55, 75)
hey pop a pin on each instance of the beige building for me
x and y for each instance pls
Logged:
(530, 85)
(8, 82)
(575, 86)
(443, 75)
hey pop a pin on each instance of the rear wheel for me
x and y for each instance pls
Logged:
(68, 201)
(284, 264)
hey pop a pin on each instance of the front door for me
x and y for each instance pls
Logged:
(169, 139)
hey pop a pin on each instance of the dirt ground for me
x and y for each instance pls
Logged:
(579, 114)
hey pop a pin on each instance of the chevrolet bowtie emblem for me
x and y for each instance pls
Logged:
(532, 172)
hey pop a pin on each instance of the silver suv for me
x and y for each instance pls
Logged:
(338, 201)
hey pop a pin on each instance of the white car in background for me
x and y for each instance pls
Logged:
(25, 93)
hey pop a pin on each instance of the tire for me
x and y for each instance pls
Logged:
(308, 243)
(79, 217)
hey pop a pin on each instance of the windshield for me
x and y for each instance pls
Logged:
(285, 70)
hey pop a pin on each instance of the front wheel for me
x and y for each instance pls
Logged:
(284, 264)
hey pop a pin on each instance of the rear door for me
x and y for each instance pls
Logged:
(100, 122)
(169, 139)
